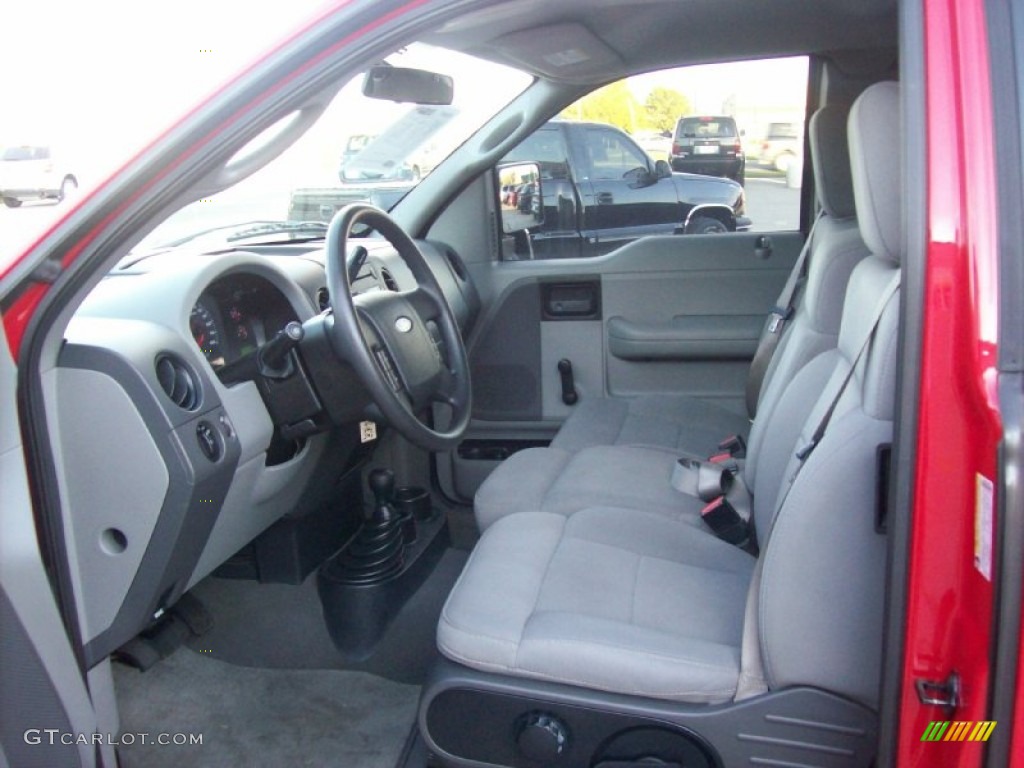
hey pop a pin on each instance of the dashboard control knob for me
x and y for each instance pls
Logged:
(542, 737)
(208, 442)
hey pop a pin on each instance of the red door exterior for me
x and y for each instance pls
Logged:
(951, 594)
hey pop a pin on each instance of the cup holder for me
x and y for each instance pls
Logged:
(413, 501)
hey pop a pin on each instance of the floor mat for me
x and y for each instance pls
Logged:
(282, 626)
(261, 717)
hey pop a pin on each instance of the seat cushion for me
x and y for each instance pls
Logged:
(557, 481)
(684, 424)
(609, 599)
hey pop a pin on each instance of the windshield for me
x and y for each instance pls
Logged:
(360, 149)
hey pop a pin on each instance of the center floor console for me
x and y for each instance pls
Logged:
(364, 585)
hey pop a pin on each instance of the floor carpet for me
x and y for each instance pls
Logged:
(266, 687)
(262, 717)
(282, 626)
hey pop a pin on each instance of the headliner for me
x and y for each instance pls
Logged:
(595, 41)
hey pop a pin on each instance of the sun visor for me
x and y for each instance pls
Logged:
(560, 52)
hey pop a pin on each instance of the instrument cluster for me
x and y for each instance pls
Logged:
(235, 315)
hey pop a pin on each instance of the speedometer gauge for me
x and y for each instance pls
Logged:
(204, 329)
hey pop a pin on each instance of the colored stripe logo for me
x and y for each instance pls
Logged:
(959, 730)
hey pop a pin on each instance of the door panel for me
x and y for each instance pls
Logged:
(709, 294)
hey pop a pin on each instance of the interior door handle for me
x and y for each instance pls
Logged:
(605, 198)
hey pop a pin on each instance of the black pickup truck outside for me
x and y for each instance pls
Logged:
(601, 190)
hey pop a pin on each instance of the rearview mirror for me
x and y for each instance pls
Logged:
(520, 198)
(417, 86)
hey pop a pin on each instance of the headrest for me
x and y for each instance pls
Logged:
(875, 138)
(830, 156)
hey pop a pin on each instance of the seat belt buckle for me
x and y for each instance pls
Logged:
(735, 445)
(725, 522)
(702, 479)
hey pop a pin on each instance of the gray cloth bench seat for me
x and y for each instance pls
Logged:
(639, 477)
(686, 426)
(619, 602)
(634, 602)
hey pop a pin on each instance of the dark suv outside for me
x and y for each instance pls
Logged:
(710, 145)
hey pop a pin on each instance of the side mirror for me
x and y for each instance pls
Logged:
(639, 177)
(662, 170)
(409, 85)
(520, 197)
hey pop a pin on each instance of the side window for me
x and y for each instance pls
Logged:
(732, 135)
(609, 157)
(545, 147)
(741, 120)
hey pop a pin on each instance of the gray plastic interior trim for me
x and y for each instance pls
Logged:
(195, 487)
(23, 580)
(686, 337)
(37, 702)
(106, 335)
(579, 342)
(764, 730)
(259, 496)
(651, 257)
(114, 484)
(104, 701)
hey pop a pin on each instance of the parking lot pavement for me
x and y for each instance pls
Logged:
(771, 205)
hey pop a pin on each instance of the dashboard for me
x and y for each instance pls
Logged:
(173, 455)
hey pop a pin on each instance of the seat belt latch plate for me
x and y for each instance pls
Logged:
(778, 316)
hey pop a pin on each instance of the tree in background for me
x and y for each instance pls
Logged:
(614, 104)
(663, 107)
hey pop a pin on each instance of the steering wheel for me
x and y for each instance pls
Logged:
(405, 346)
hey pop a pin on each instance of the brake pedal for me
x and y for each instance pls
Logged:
(185, 620)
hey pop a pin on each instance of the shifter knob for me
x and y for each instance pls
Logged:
(382, 485)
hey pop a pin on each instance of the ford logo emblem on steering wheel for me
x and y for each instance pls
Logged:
(403, 324)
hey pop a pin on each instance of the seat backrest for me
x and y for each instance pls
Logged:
(836, 248)
(819, 590)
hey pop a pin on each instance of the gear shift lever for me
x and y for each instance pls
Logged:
(377, 551)
(382, 485)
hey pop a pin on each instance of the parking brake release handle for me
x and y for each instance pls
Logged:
(569, 396)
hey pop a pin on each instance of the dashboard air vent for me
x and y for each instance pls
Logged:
(389, 281)
(178, 382)
(323, 299)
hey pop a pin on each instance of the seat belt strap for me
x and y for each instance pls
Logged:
(776, 324)
(819, 432)
(888, 292)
